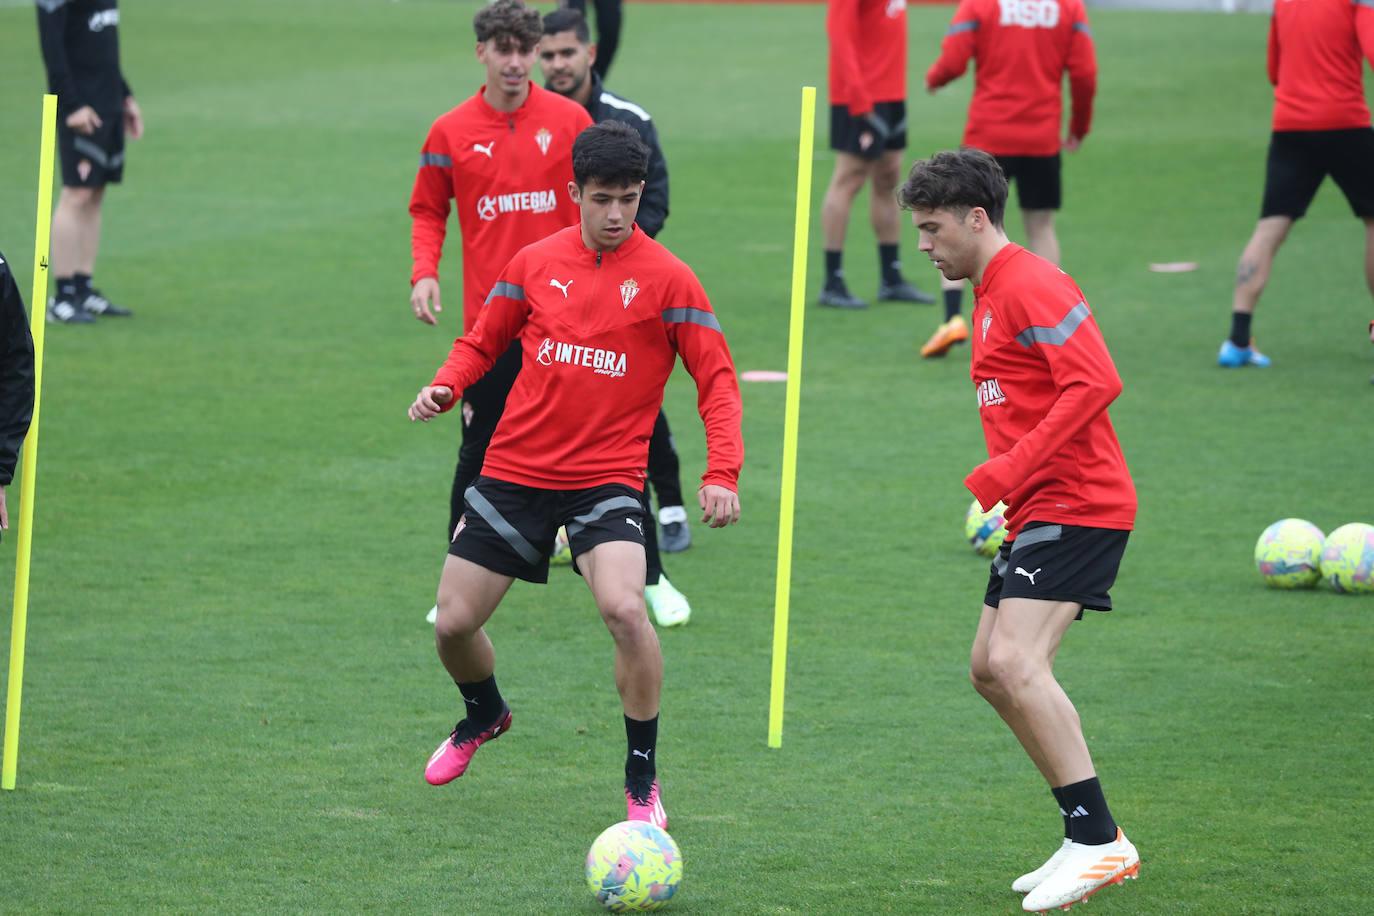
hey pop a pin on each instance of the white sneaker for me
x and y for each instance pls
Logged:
(562, 549)
(1029, 881)
(669, 605)
(1084, 871)
(433, 616)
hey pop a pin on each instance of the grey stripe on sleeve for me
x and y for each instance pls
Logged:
(509, 290)
(439, 159)
(579, 523)
(691, 316)
(1036, 536)
(1057, 335)
(962, 27)
(502, 527)
(1083, 26)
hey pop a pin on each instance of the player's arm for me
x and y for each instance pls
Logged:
(957, 48)
(653, 204)
(503, 315)
(1083, 372)
(695, 333)
(1082, 67)
(1273, 58)
(16, 380)
(842, 25)
(429, 208)
(1364, 29)
(52, 27)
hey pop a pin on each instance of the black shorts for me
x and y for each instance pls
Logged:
(1053, 562)
(846, 130)
(95, 160)
(1300, 159)
(1039, 181)
(509, 528)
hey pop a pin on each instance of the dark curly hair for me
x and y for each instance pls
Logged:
(611, 154)
(956, 180)
(508, 23)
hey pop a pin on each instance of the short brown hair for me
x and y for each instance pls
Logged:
(956, 180)
(508, 22)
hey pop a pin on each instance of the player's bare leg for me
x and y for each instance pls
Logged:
(76, 231)
(848, 178)
(882, 203)
(887, 228)
(614, 571)
(1040, 236)
(1020, 656)
(991, 690)
(468, 594)
(1252, 273)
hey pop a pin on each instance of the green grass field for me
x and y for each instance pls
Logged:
(230, 690)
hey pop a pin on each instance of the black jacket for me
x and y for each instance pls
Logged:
(80, 42)
(605, 105)
(16, 373)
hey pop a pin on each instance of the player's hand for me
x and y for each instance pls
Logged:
(873, 138)
(429, 403)
(719, 506)
(84, 120)
(424, 295)
(1072, 142)
(133, 119)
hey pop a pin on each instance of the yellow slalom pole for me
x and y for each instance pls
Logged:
(789, 435)
(29, 469)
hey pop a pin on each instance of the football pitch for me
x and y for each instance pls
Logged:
(231, 691)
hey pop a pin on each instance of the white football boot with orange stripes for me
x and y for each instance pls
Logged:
(1084, 871)
(1031, 880)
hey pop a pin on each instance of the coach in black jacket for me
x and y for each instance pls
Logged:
(16, 380)
(566, 56)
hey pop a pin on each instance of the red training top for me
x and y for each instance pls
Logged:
(1316, 54)
(1022, 48)
(867, 53)
(509, 172)
(599, 333)
(1044, 378)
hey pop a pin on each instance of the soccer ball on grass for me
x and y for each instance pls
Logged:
(1288, 554)
(633, 866)
(1348, 559)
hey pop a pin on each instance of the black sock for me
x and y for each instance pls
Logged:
(890, 263)
(642, 741)
(66, 289)
(483, 701)
(1240, 328)
(1064, 812)
(1090, 821)
(834, 273)
(83, 284)
(954, 302)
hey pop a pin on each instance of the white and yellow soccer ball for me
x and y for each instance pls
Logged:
(1289, 553)
(634, 866)
(1348, 559)
(986, 530)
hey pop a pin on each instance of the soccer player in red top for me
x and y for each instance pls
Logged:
(1317, 50)
(1043, 379)
(868, 134)
(505, 157)
(1022, 49)
(601, 312)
